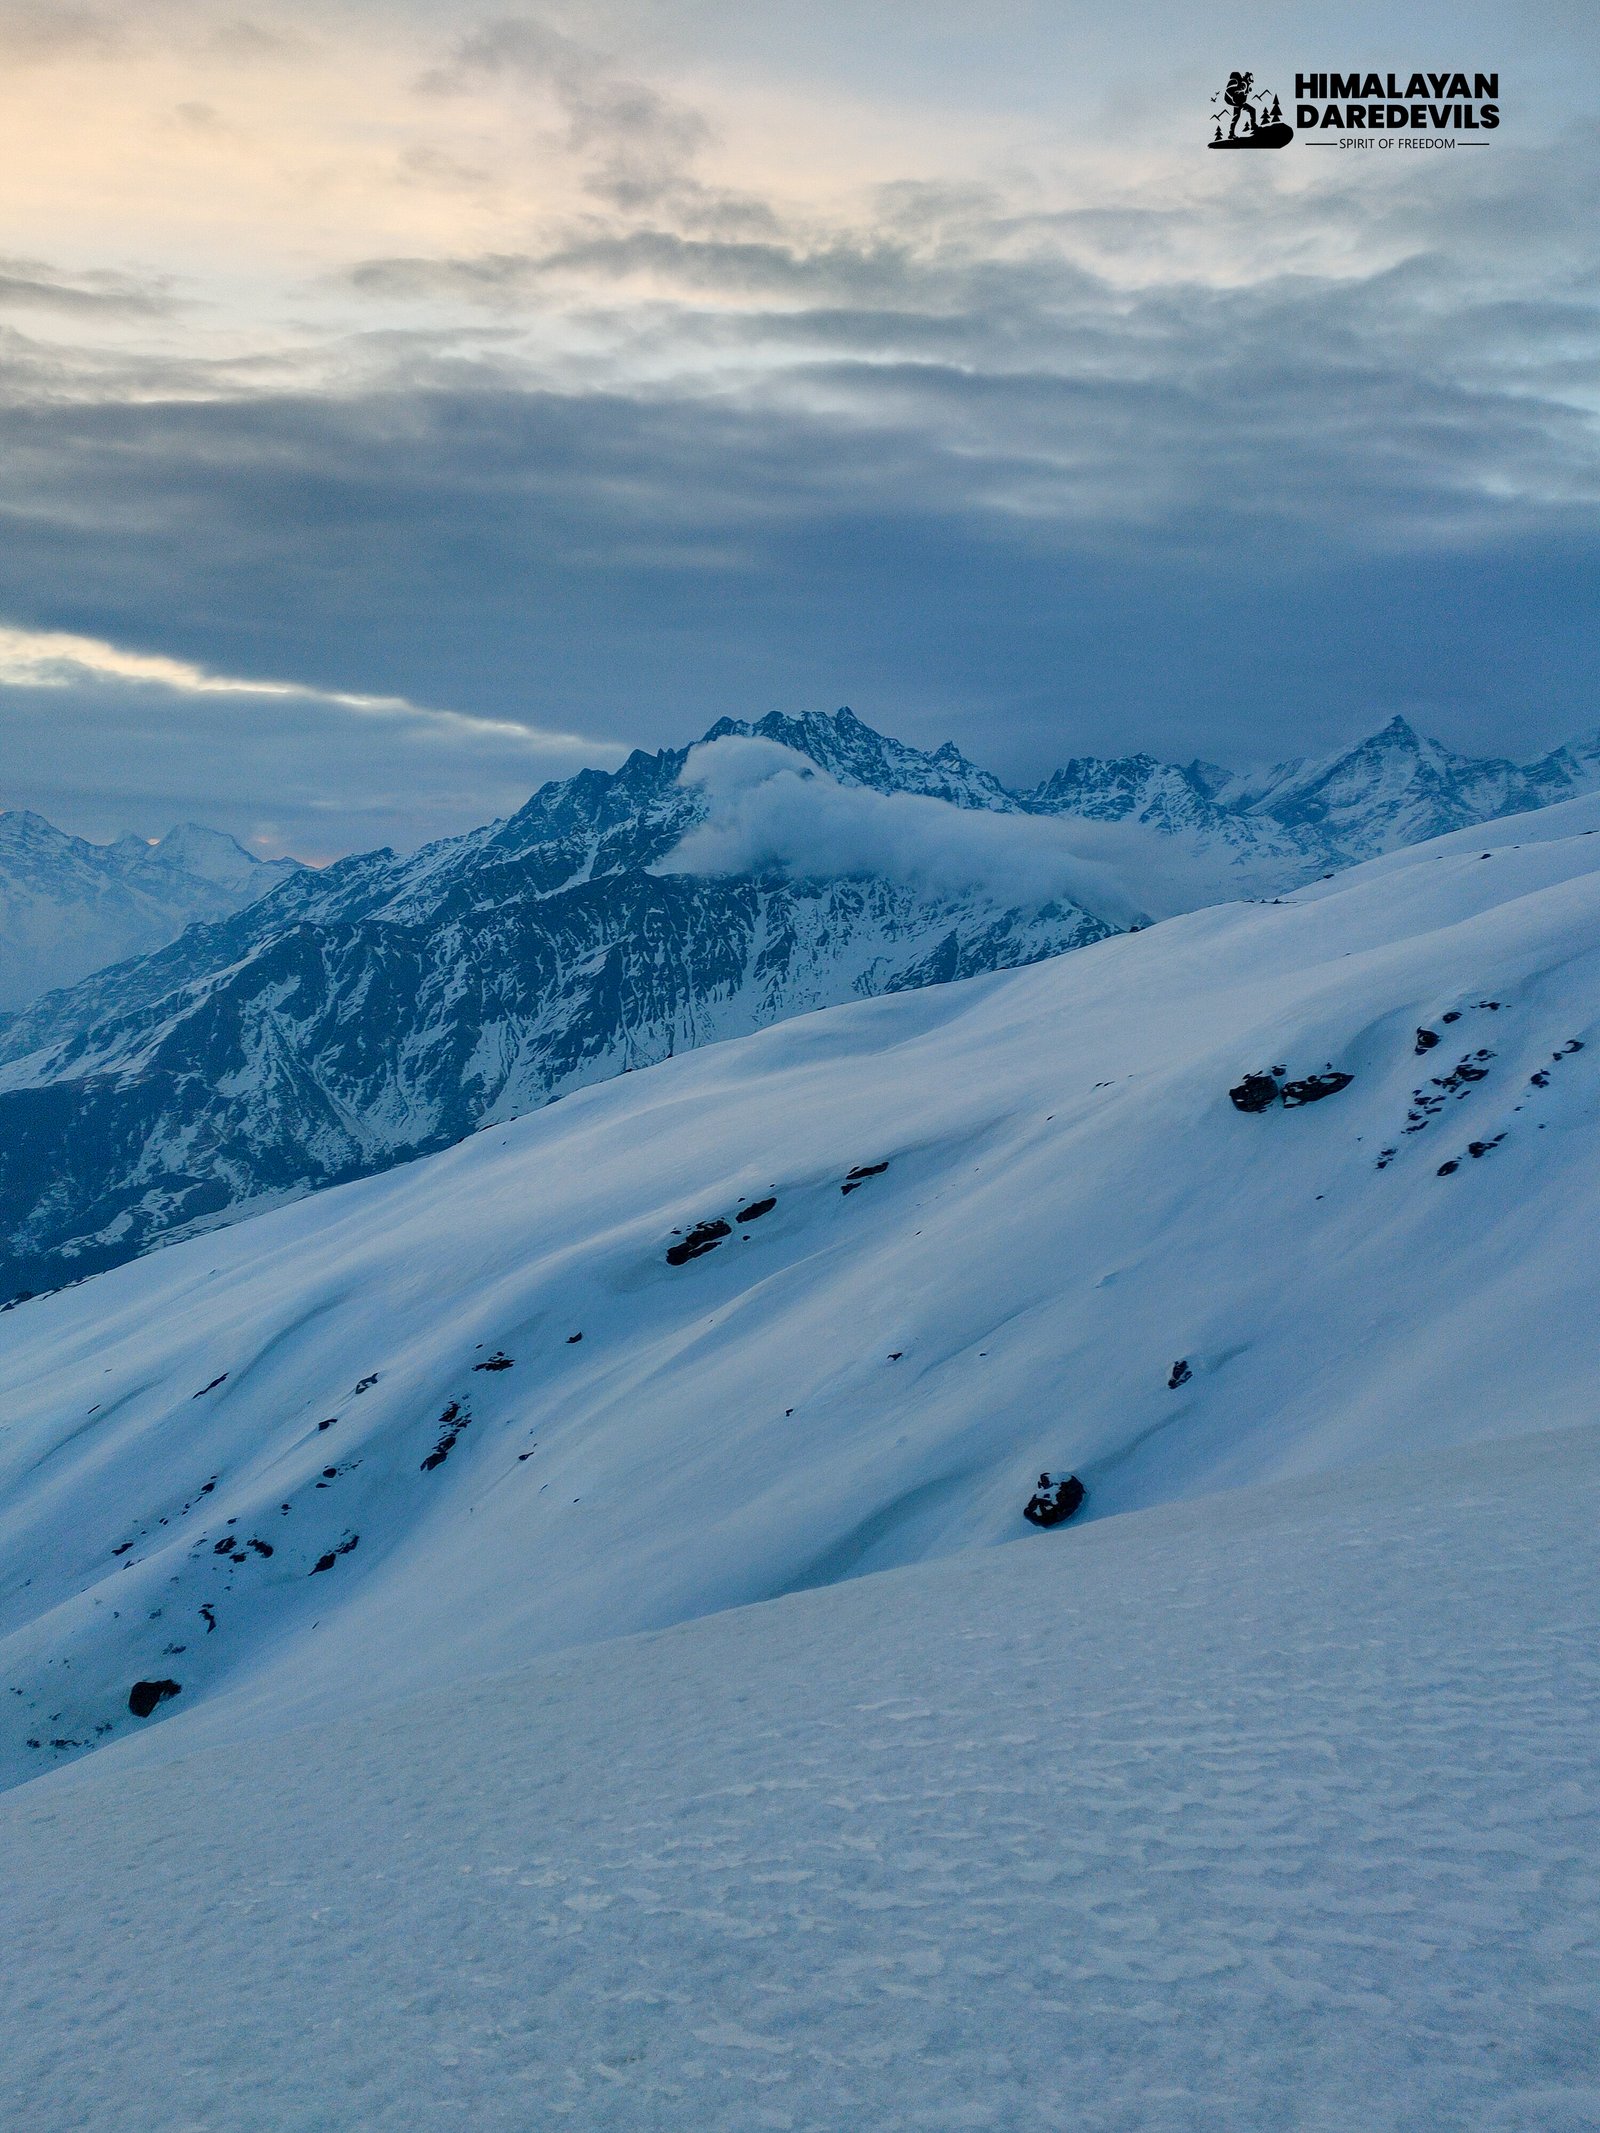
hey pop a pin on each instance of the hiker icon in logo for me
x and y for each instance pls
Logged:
(1264, 120)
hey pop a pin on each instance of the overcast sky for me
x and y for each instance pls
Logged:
(404, 403)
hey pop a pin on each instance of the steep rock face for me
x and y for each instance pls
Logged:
(68, 907)
(853, 753)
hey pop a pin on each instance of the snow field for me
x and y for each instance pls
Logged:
(1276, 1810)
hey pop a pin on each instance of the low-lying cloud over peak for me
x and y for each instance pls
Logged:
(772, 811)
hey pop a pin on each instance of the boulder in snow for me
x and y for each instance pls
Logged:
(145, 1695)
(1053, 1502)
(1313, 1087)
(1254, 1093)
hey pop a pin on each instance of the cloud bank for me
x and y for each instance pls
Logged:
(103, 740)
(606, 372)
(771, 811)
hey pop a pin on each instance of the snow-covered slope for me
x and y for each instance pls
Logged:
(386, 1006)
(1272, 1811)
(68, 907)
(429, 1424)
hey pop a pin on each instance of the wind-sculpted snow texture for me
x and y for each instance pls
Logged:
(1272, 1811)
(933, 1245)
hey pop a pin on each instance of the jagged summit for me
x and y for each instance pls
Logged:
(68, 906)
(856, 754)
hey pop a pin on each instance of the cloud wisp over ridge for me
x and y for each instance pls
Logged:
(773, 811)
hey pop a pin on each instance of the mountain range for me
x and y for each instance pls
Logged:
(68, 907)
(384, 1007)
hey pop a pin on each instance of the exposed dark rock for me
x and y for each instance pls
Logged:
(1427, 1039)
(1313, 1087)
(145, 1695)
(1181, 1374)
(326, 1562)
(215, 1382)
(859, 1176)
(1453, 1016)
(756, 1210)
(452, 1422)
(704, 1237)
(328, 1423)
(573, 1337)
(367, 1384)
(1445, 1169)
(1255, 1093)
(1467, 1071)
(498, 1361)
(1051, 1503)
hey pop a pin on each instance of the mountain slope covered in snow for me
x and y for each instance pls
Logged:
(823, 1301)
(1272, 1810)
(68, 907)
(385, 1007)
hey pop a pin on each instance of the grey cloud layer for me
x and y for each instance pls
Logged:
(1399, 402)
(1177, 468)
(34, 285)
(638, 142)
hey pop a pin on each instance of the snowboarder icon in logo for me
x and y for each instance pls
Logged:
(1264, 125)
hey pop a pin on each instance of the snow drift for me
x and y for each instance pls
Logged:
(1270, 1805)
